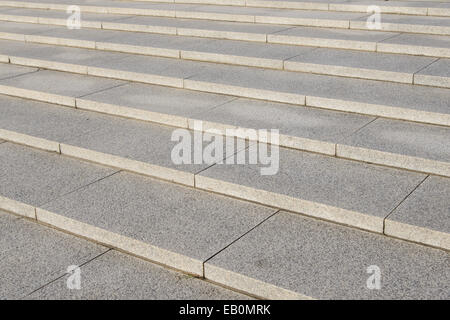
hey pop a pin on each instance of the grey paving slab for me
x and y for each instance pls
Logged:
(55, 82)
(159, 99)
(9, 71)
(372, 61)
(339, 88)
(173, 68)
(206, 25)
(401, 137)
(184, 221)
(26, 28)
(55, 14)
(419, 40)
(32, 255)
(419, 22)
(326, 261)
(57, 54)
(290, 34)
(428, 45)
(36, 177)
(436, 74)
(316, 185)
(138, 141)
(252, 49)
(82, 34)
(428, 207)
(47, 121)
(290, 120)
(157, 40)
(115, 275)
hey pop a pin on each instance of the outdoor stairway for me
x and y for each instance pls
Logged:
(363, 116)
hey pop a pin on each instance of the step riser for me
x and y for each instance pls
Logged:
(328, 23)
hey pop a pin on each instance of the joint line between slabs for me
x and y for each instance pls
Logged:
(104, 89)
(406, 197)
(238, 238)
(82, 187)
(63, 275)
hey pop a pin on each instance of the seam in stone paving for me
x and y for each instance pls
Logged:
(101, 90)
(238, 238)
(200, 113)
(414, 73)
(19, 75)
(358, 130)
(406, 197)
(80, 188)
(66, 273)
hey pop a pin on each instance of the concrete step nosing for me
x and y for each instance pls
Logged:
(29, 141)
(124, 243)
(433, 81)
(250, 285)
(136, 77)
(147, 169)
(379, 110)
(437, 239)
(246, 92)
(297, 205)
(349, 72)
(393, 160)
(47, 64)
(37, 95)
(132, 113)
(17, 208)
(86, 44)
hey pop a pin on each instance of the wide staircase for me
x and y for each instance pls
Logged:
(363, 184)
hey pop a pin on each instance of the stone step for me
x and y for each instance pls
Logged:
(353, 64)
(105, 273)
(418, 7)
(362, 40)
(247, 247)
(342, 20)
(374, 98)
(417, 147)
(421, 8)
(338, 190)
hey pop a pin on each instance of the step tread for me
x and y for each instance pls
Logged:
(182, 233)
(328, 262)
(25, 171)
(308, 179)
(116, 275)
(24, 243)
